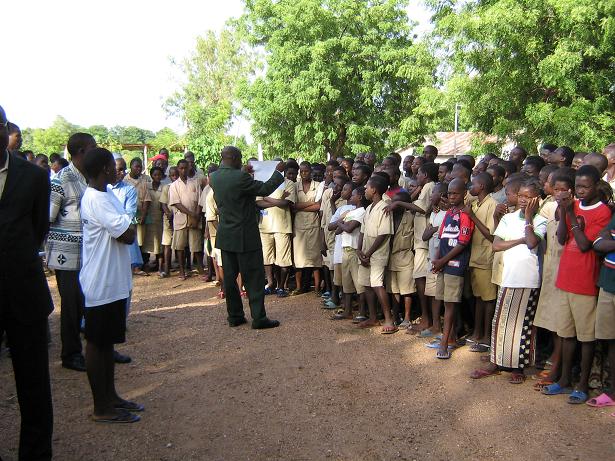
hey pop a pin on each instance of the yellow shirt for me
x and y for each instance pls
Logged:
(403, 241)
(306, 220)
(481, 256)
(420, 220)
(375, 223)
(278, 220)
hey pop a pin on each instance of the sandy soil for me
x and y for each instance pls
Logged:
(312, 389)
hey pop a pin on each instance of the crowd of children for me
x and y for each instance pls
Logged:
(512, 257)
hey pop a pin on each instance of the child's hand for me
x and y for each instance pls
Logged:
(437, 265)
(285, 194)
(468, 209)
(532, 207)
(501, 209)
(390, 207)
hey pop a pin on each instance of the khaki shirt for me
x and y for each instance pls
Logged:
(327, 214)
(420, 220)
(403, 242)
(375, 223)
(279, 220)
(306, 220)
(188, 194)
(481, 256)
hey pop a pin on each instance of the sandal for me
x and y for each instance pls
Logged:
(482, 373)
(603, 400)
(443, 355)
(163, 275)
(404, 324)
(477, 347)
(540, 385)
(359, 319)
(389, 330)
(129, 406)
(577, 397)
(556, 389)
(124, 417)
(341, 316)
(516, 378)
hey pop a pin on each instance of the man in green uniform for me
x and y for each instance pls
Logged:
(238, 238)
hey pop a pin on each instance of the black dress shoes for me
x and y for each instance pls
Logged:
(265, 323)
(76, 362)
(120, 358)
(237, 322)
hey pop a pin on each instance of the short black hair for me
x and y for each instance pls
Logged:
(78, 142)
(379, 183)
(333, 163)
(499, 171)
(53, 157)
(430, 170)
(136, 160)
(40, 157)
(548, 146)
(95, 161)
(469, 159)
(365, 168)
(164, 151)
(404, 196)
(429, 149)
(565, 178)
(448, 165)
(465, 163)
(155, 168)
(536, 161)
(385, 175)
(509, 167)
(292, 163)
(532, 183)
(567, 153)
(63, 162)
(182, 160)
(12, 128)
(589, 171)
(306, 163)
(361, 190)
(515, 181)
(548, 169)
(486, 180)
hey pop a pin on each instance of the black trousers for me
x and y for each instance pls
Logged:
(28, 344)
(73, 303)
(250, 265)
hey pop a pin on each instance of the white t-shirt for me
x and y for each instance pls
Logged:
(435, 219)
(105, 274)
(337, 251)
(520, 263)
(352, 240)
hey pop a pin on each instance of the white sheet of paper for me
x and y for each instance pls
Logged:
(264, 170)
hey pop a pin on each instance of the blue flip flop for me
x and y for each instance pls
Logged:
(577, 397)
(436, 345)
(556, 389)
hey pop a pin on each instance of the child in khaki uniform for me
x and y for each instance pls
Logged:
(481, 212)
(426, 178)
(184, 197)
(276, 228)
(400, 282)
(167, 223)
(376, 232)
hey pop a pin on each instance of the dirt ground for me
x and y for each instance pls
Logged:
(311, 389)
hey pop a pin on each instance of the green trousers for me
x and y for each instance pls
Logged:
(250, 266)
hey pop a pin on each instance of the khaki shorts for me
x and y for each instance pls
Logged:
(449, 288)
(337, 275)
(422, 267)
(481, 284)
(192, 238)
(167, 232)
(372, 276)
(276, 249)
(400, 282)
(430, 284)
(605, 315)
(350, 272)
(577, 316)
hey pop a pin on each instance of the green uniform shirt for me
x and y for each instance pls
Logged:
(235, 192)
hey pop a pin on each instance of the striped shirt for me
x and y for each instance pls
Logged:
(65, 230)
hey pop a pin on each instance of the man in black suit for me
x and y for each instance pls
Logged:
(25, 301)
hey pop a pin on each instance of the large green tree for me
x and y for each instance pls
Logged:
(532, 70)
(207, 100)
(341, 76)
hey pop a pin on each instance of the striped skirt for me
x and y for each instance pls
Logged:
(513, 341)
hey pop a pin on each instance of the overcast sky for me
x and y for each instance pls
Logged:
(105, 62)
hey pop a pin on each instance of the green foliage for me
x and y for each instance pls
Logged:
(341, 76)
(54, 138)
(532, 70)
(207, 99)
